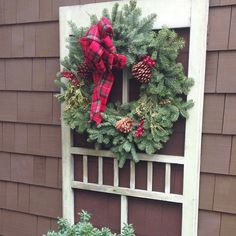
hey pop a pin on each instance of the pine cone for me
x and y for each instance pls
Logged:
(142, 72)
(124, 125)
(84, 71)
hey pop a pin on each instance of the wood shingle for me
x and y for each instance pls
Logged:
(47, 43)
(229, 124)
(216, 150)
(218, 29)
(226, 82)
(232, 167)
(49, 208)
(225, 194)
(211, 71)
(213, 112)
(27, 11)
(209, 223)
(228, 226)
(207, 187)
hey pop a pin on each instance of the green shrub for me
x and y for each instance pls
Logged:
(85, 228)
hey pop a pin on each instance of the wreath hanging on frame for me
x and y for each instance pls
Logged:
(142, 125)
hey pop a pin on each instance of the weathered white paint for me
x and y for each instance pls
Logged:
(193, 133)
(116, 172)
(125, 99)
(167, 178)
(85, 169)
(100, 170)
(125, 86)
(67, 175)
(149, 175)
(123, 210)
(143, 157)
(132, 175)
(169, 197)
(171, 13)
(67, 160)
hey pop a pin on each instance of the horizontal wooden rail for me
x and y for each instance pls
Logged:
(143, 157)
(169, 197)
(180, 12)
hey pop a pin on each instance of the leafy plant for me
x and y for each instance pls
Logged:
(85, 228)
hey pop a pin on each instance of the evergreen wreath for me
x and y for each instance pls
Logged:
(142, 125)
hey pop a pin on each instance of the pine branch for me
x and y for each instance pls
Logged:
(106, 13)
(114, 12)
(93, 19)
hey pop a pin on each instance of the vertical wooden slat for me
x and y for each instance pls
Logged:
(85, 169)
(116, 173)
(124, 211)
(167, 178)
(67, 158)
(149, 175)
(196, 70)
(132, 175)
(100, 170)
(125, 86)
(124, 200)
(67, 173)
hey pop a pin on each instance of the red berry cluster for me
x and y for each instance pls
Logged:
(149, 61)
(70, 76)
(67, 74)
(140, 129)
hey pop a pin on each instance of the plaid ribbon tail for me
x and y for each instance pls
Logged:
(101, 90)
(100, 53)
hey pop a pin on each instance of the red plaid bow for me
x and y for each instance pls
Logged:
(100, 54)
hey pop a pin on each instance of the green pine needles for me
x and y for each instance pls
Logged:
(161, 101)
(85, 228)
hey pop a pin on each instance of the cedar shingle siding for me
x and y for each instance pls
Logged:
(30, 139)
(218, 165)
(30, 142)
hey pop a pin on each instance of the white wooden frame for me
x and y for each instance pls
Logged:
(174, 14)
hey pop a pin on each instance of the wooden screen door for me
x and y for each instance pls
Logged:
(174, 14)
